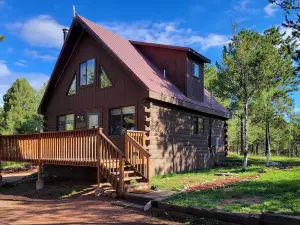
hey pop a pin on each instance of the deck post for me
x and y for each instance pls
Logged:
(121, 175)
(39, 182)
(99, 151)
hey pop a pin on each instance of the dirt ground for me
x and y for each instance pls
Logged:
(70, 212)
(63, 202)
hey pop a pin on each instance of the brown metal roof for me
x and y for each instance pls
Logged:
(149, 75)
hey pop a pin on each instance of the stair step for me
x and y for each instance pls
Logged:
(125, 172)
(132, 178)
(137, 187)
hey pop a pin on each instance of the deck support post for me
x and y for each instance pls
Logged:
(39, 183)
(121, 176)
(99, 151)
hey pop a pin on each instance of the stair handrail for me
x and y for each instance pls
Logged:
(133, 145)
(138, 146)
(110, 142)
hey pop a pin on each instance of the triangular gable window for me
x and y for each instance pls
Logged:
(72, 89)
(104, 79)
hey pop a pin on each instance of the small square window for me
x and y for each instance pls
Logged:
(195, 70)
(198, 125)
(65, 122)
(87, 72)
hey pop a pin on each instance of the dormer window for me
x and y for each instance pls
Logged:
(87, 72)
(195, 70)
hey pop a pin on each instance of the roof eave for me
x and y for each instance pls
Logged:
(188, 105)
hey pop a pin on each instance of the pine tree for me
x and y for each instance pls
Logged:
(20, 104)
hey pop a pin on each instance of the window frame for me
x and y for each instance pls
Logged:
(109, 121)
(95, 72)
(99, 78)
(74, 77)
(65, 115)
(196, 130)
(193, 67)
(88, 119)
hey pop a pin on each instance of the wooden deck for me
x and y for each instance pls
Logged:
(89, 148)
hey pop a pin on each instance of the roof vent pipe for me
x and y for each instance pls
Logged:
(65, 31)
(165, 74)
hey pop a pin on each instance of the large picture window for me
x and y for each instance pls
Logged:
(87, 72)
(198, 125)
(122, 119)
(65, 122)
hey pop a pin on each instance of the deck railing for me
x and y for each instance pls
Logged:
(136, 153)
(75, 148)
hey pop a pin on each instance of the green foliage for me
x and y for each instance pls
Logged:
(2, 38)
(19, 112)
(254, 81)
(287, 5)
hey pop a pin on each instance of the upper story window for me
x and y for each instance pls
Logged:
(198, 125)
(104, 79)
(72, 88)
(195, 70)
(87, 72)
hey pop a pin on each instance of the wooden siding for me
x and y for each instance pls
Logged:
(195, 85)
(171, 60)
(125, 91)
(172, 144)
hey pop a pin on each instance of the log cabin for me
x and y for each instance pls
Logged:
(103, 80)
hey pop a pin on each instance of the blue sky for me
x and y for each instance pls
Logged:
(34, 36)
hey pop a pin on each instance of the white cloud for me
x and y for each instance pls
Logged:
(37, 55)
(243, 6)
(166, 33)
(36, 80)
(20, 63)
(271, 9)
(42, 31)
(4, 71)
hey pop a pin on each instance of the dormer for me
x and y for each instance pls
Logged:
(183, 66)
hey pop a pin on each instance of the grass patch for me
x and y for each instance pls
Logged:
(261, 160)
(13, 165)
(277, 191)
(177, 181)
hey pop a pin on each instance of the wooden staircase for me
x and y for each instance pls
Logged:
(125, 171)
(130, 170)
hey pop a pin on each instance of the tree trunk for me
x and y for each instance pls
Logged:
(242, 136)
(257, 144)
(245, 136)
(267, 143)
